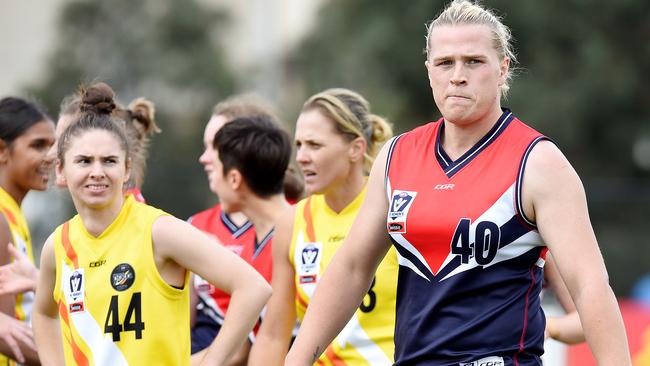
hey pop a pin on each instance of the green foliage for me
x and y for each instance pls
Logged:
(163, 50)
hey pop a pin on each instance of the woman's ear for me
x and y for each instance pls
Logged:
(357, 149)
(4, 152)
(235, 179)
(59, 179)
(127, 172)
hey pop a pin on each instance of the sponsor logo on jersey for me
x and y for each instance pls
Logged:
(444, 186)
(487, 361)
(335, 238)
(97, 263)
(307, 279)
(122, 277)
(400, 204)
(396, 227)
(76, 307)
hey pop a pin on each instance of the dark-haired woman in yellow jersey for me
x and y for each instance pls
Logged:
(337, 138)
(113, 288)
(26, 135)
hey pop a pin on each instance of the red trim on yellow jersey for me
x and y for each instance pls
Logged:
(69, 250)
(309, 221)
(79, 357)
(10, 216)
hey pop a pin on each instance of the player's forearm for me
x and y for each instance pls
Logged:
(269, 350)
(603, 325)
(47, 334)
(243, 312)
(337, 297)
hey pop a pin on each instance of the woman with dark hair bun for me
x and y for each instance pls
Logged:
(114, 282)
(26, 134)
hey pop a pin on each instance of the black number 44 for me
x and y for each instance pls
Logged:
(132, 320)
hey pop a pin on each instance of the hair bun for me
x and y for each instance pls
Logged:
(98, 99)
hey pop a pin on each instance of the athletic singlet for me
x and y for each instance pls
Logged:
(318, 232)
(114, 307)
(21, 239)
(215, 223)
(471, 262)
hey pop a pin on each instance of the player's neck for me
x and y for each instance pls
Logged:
(264, 212)
(97, 220)
(342, 193)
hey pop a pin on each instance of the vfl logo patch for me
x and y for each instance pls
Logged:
(122, 277)
(400, 204)
(487, 361)
(76, 283)
(73, 286)
(309, 255)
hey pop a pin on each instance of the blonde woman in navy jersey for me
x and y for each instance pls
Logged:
(113, 287)
(472, 203)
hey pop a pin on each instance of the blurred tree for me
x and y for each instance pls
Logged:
(581, 82)
(164, 50)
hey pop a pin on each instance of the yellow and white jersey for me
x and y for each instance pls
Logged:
(114, 307)
(318, 232)
(22, 241)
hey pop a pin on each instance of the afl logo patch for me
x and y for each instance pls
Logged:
(122, 277)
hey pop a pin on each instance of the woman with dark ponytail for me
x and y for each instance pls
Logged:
(115, 277)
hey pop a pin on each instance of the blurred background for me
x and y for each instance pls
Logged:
(580, 81)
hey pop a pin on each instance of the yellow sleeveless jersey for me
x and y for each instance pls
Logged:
(114, 307)
(22, 240)
(318, 232)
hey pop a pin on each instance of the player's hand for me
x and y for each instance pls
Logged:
(12, 332)
(18, 276)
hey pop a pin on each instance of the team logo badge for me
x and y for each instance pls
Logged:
(400, 204)
(122, 277)
(73, 287)
(76, 284)
(309, 255)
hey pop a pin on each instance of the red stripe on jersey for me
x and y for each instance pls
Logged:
(67, 246)
(10, 216)
(309, 221)
(333, 357)
(79, 357)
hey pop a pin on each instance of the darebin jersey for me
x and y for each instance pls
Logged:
(215, 223)
(114, 307)
(22, 240)
(318, 233)
(470, 261)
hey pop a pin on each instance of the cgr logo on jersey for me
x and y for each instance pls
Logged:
(122, 277)
(487, 361)
(398, 211)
